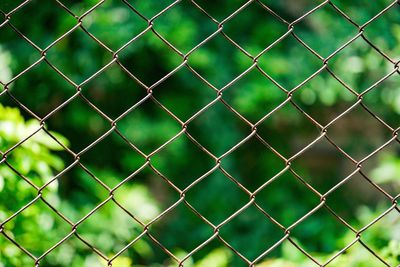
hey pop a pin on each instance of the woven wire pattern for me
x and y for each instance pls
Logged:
(252, 133)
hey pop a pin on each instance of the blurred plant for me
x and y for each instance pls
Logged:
(78, 57)
(38, 227)
(34, 160)
(383, 238)
(387, 172)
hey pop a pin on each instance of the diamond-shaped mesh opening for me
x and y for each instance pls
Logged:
(284, 208)
(22, 136)
(183, 150)
(324, 23)
(306, 231)
(318, 166)
(98, 156)
(362, 194)
(283, 123)
(109, 240)
(233, 201)
(149, 58)
(37, 166)
(389, 113)
(42, 37)
(228, 57)
(111, 19)
(386, 41)
(86, 192)
(382, 233)
(47, 225)
(262, 164)
(19, 55)
(95, 123)
(188, 98)
(165, 230)
(87, 61)
(381, 168)
(180, 30)
(41, 102)
(361, 143)
(361, 11)
(26, 193)
(289, 69)
(265, 28)
(113, 85)
(142, 203)
(251, 223)
(218, 122)
(359, 65)
(324, 98)
(147, 126)
(254, 95)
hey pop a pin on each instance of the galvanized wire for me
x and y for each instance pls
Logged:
(252, 130)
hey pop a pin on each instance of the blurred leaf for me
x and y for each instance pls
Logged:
(218, 257)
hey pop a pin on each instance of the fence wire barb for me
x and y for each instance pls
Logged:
(219, 98)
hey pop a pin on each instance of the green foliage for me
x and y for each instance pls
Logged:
(382, 238)
(34, 160)
(37, 227)
(75, 193)
(387, 171)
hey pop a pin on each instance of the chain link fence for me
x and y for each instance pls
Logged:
(219, 92)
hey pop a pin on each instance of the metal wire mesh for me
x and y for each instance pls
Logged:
(219, 98)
